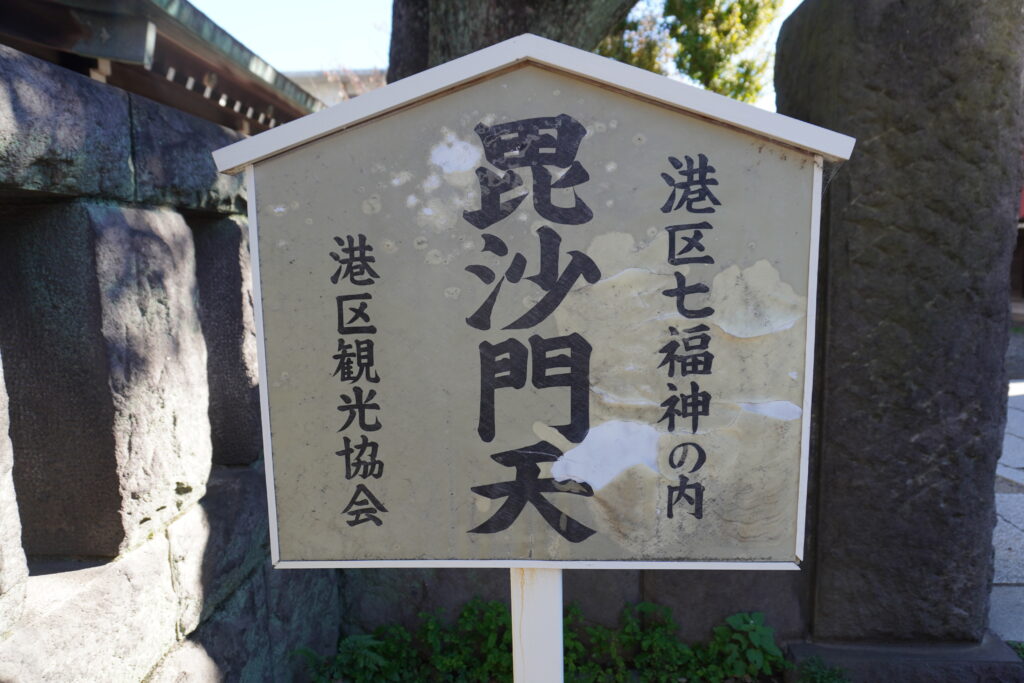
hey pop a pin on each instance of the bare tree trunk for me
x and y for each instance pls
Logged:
(410, 33)
(426, 33)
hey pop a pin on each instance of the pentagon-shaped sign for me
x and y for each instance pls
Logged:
(534, 307)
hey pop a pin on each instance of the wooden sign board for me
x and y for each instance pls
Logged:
(535, 308)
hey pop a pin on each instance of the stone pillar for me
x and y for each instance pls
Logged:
(701, 600)
(225, 294)
(13, 571)
(918, 230)
(373, 597)
(106, 370)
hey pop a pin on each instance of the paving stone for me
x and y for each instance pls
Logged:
(1006, 615)
(111, 622)
(1016, 402)
(1008, 540)
(225, 294)
(174, 163)
(913, 400)
(1013, 451)
(106, 369)
(1011, 507)
(1004, 485)
(61, 132)
(13, 570)
(216, 544)
(1010, 473)
(1015, 421)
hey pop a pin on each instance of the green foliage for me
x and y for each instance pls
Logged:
(1018, 647)
(744, 648)
(641, 39)
(478, 647)
(645, 646)
(712, 34)
(815, 670)
(710, 41)
(387, 655)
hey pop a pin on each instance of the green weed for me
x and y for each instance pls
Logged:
(478, 647)
(815, 670)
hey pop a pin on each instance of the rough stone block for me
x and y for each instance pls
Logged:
(225, 295)
(111, 622)
(233, 645)
(188, 662)
(216, 544)
(918, 229)
(106, 368)
(701, 600)
(13, 570)
(373, 598)
(61, 132)
(174, 163)
(989, 660)
(303, 610)
(601, 594)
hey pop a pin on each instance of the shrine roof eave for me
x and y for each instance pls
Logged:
(531, 49)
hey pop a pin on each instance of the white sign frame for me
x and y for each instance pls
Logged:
(822, 144)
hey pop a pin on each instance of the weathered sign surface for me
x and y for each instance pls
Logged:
(537, 319)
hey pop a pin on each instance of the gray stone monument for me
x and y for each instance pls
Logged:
(917, 234)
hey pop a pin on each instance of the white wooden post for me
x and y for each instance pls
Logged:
(536, 625)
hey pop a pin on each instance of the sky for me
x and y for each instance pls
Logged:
(308, 35)
(312, 35)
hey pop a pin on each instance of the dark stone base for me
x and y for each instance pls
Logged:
(991, 660)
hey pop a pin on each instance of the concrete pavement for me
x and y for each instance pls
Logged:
(1006, 615)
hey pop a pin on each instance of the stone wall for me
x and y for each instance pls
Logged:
(128, 390)
(130, 466)
(128, 344)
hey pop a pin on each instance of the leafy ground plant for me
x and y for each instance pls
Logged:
(1018, 647)
(743, 649)
(477, 646)
(815, 670)
(645, 646)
